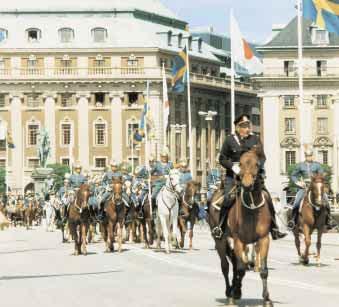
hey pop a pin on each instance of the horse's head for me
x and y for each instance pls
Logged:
(173, 181)
(117, 189)
(83, 195)
(317, 189)
(249, 167)
(191, 191)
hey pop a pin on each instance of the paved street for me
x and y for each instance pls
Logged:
(37, 270)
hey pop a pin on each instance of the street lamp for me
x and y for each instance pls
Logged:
(208, 116)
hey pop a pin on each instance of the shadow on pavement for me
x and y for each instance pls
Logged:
(27, 251)
(244, 303)
(55, 275)
(322, 265)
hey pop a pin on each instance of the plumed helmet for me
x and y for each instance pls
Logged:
(309, 152)
(113, 163)
(151, 158)
(164, 152)
(67, 176)
(77, 165)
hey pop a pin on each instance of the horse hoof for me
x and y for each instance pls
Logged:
(237, 294)
(231, 302)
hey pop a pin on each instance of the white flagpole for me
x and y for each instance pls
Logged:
(232, 76)
(300, 74)
(23, 162)
(147, 153)
(7, 166)
(70, 154)
(189, 111)
(165, 120)
(132, 148)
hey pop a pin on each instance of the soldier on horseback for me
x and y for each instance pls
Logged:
(234, 146)
(300, 176)
(77, 178)
(113, 174)
(185, 172)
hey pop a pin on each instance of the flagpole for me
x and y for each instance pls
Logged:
(163, 109)
(232, 76)
(146, 151)
(7, 166)
(300, 74)
(23, 162)
(132, 147)
(189, 111)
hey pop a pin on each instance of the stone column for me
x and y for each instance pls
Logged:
(335, 181)
(184, 142)
(50, 124)
(213, 145)
(83, 130)
(222, 117)
(203, 149)
(271, 143)
(173, 143)
(17, 152)
(116, 125)
(194, 139)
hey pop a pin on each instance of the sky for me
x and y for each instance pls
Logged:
(255, 17)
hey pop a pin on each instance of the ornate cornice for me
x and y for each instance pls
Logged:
(290, 142)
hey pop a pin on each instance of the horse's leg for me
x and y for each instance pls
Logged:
(74, 233)
(256, 256)
(191, 227)
(307, 234)
(264, 245)
(182, 228)
(320, 233)
(165, 231)
(221, 247)
(174, 217)
(119, 233)
(239, 248)
(297, 239)
(84, 230)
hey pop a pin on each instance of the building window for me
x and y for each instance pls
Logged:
(65, 161)
(290, 159)
(324, 156)
(33, 131)
(2, 145)
(180, 40)
(2, 101)
(190, 41)
(195, 68)
(66, 100)
(132, 128)
(3, 35)
(2, 163)
(100, 134)
(66, 35)
(290, 125)
(33, 35)
(132, 98)
(322, 125)
(66, 134)
(33, 100)
(256, 119)
(169, 38)
(100, 162)
(99, 99)
(289, 68)
(289, 101)
(321, 68)
(322, 101)
(99, 35)
(320, 37)
(33, 163)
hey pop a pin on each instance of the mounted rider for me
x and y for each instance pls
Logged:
(301, 176)
(234, 146)
(77, 178)
(159, 172)
(113, 174)
(185, 173)
(64, 190)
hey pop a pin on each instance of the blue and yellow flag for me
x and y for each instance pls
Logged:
(179, 71)
(324, 13)
(140, 133)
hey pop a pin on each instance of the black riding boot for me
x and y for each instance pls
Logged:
(65, 218)
(218, 231)
(100, 216)
(276, 234)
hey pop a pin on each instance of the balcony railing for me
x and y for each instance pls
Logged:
(308, 71)
(112, 73)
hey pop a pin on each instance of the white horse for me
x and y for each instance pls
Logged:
(168, 209)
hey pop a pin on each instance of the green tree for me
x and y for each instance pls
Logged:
(2, 180)
(59, 171)
(327, 170)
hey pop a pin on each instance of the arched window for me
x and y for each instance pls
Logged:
(66, 35)
(99, 35)
(33, 35)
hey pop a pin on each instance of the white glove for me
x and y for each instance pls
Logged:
(108, 189)
(236, 169)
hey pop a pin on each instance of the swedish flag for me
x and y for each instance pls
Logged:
(139, 134)
(179, 71)
(324, 13)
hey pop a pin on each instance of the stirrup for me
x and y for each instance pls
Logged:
(217, 232)
(291, 225)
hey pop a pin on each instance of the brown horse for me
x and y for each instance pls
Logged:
(312, 217)
(222, 245)
(249, 222)
(30, 214)
(78, 219)
(115, 216)
(188, 212)
(147, 222)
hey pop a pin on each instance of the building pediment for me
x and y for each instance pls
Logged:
(323, 141)
(290, 142)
